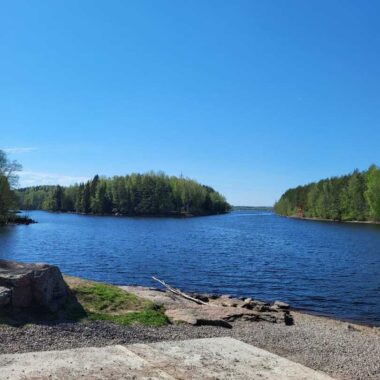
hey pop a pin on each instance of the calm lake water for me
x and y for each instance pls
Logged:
(327, 268)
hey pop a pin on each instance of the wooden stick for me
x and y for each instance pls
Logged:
(181, 294)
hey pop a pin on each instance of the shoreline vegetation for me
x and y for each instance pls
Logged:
(370, 222)
(353, 198)
(149, 194)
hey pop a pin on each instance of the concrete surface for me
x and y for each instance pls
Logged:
(213, 358)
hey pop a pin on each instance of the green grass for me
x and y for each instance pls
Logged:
(109, 303)
(107, 298)
(144, 317)
(93, 301)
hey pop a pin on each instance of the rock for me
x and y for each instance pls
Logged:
(281, 305)
(195, 317)
(288, 319)
(49, 288)
(262, 308)
(217, 311)
(227, 301)
(268, 317)
(181, 316)
(230, 304)
(5, 295)
(260, 303)
(33, 284)
(22, 296)
(201, 297)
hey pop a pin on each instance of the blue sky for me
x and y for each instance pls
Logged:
(250, 97)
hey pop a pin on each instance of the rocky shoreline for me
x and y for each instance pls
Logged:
(19, 220)
(344, 351)
(213, 310)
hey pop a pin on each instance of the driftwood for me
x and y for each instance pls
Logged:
(181, 294)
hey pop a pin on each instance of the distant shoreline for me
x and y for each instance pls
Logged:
(331, 220)
(168, 215)
(251, 208)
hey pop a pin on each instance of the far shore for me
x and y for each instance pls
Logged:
(331, 220)
(176, 215)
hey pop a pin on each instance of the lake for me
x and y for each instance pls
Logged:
(326, 268)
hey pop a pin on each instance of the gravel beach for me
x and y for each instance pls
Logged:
(343, 350)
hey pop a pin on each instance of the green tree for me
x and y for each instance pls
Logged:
(135, 194)
(102, 203)
(373, 191)
(8, 179)
(7, 199)
(86, 198)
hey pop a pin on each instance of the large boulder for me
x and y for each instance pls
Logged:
(23, 285)
(5, 296)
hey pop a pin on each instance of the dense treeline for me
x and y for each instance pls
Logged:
(135, 194)
(351, 197)
(7, 180)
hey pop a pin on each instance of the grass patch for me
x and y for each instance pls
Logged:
(92, 301)
(97, 301)
(144, 317)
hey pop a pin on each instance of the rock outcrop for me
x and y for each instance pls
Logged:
(24, 285)
(216, 310)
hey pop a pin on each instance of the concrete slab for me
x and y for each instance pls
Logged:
(215, 358)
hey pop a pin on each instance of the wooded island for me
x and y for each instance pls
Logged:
(151, 194)
(154, 194)
(352, 197)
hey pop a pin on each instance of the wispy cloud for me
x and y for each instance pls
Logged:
(19, 149)
(30, 178)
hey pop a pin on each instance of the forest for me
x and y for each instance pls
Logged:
(146, 194)
(352, 197)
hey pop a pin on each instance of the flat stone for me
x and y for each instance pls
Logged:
(181, 316)
(196, 317)
(281, 305)
(196, 359)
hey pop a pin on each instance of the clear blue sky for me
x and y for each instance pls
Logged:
(250, 97)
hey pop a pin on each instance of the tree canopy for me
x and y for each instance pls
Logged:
(355, 196)
(135, 194)
(8, 179)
